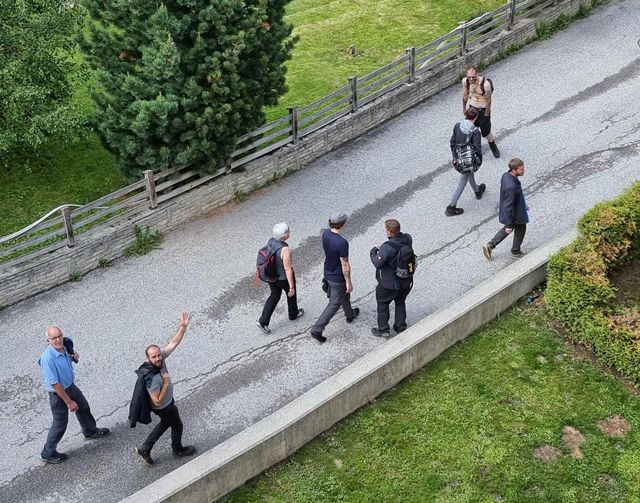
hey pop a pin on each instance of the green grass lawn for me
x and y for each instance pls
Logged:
(464, 429)
(379, 30)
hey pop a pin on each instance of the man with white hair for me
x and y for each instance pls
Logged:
(285, 280)
(64, 395)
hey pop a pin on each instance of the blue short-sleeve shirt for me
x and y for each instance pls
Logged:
(56, 368)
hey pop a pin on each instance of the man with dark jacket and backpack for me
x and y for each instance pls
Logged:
(279, 275)
(513, 212)
(467, 158)
(477, 92)
(395, 264)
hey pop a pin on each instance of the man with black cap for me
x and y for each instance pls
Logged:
(337, 273)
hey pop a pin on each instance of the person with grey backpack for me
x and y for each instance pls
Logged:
(467, 157)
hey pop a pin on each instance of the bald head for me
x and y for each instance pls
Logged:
(53, 331)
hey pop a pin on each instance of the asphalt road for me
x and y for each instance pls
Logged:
(567, 106)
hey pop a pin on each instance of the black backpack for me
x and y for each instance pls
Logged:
(465, 156)
(482, 81)
(406, 264)
(266, 268)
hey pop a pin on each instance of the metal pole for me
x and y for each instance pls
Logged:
(151, 187)
(353, 83)
(68, 227)
(293, 120)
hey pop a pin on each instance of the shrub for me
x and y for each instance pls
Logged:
(579, 291)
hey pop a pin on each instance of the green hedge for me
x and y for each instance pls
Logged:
(579, 292)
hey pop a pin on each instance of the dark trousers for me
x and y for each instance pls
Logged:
(169, 418)
(60, 413)
(384, 297)
(519, 231)
(338, 297)
(277, 287)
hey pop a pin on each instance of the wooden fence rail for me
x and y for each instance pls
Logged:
(60, 227)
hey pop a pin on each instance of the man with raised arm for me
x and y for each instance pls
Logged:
(160, 389)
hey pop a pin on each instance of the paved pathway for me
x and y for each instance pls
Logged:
(567, 106)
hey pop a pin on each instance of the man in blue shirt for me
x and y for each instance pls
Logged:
(337, 273)
(64, 396)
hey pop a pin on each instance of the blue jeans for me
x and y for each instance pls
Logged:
(60, 414)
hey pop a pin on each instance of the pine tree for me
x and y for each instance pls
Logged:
(180, 81)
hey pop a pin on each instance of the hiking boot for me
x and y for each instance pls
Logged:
(99, 433)
(494, 149)
(486, 250)
(57, 458)
(145, 455)
(318, 337)
(452, 211)
(481, 188)
(381, 332)
(356, 312)
(187, 450)
(517, 253)
(264, 328)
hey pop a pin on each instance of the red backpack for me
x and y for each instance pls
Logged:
(266, 268)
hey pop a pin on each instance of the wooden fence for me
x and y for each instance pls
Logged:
(49, 234)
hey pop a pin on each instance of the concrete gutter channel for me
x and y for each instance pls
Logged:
(271, 440)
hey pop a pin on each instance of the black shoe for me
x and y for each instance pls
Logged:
(481, 188)
(398, 330)
(318, 337)
(452, 211)
(264, 328)
(494, 149)
(381, 332)
(187, 450)
(356, 311)
(486, 250)
(99, 433)
(300, 314)
(57, 458)
(517, 253)
(145, 455)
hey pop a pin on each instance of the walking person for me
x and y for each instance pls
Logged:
(337, 274)
(392, 257)
(56, 363)
(477, 92)
(513, 210)
(160, 390)
(285, 280)
(467, 158)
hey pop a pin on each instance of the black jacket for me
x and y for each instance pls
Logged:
(513, 209)
(459, 138)
(385, 260)
(140, 406)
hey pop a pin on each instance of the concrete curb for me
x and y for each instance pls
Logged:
(245, 455)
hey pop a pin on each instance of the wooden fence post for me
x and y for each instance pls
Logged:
(512, 13)
(411, 64)
(68, 227)
(151, 188)
(293, 120)
(463, 40)
(353, 83)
